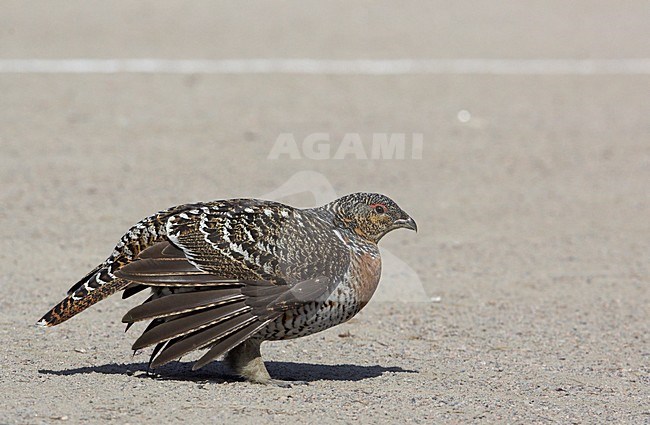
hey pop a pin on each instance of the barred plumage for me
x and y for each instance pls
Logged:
(227, 275)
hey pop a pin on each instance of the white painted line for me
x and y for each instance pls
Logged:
(639, 66)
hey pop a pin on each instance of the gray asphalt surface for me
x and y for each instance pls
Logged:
(534, 241)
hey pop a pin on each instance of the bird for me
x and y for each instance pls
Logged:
(226, 275)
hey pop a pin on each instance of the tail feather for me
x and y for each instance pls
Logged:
(85, 279)
(101, 282)
(89, 291)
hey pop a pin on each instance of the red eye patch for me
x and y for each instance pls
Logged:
(380, 208)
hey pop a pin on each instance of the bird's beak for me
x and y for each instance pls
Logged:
(406, 223)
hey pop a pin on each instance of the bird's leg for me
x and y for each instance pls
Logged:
(246, 361)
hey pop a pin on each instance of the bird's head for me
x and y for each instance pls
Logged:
(371, 215)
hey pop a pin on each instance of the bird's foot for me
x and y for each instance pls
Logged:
(246, 361)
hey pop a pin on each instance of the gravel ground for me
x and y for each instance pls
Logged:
(523, 298)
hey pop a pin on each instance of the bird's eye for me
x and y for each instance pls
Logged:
(379, 209)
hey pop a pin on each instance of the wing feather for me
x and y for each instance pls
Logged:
(203, 337)
(174, 304)
(186, 324)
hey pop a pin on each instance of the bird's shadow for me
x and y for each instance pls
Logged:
(290, 371)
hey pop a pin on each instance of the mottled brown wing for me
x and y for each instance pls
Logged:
(259, 240)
